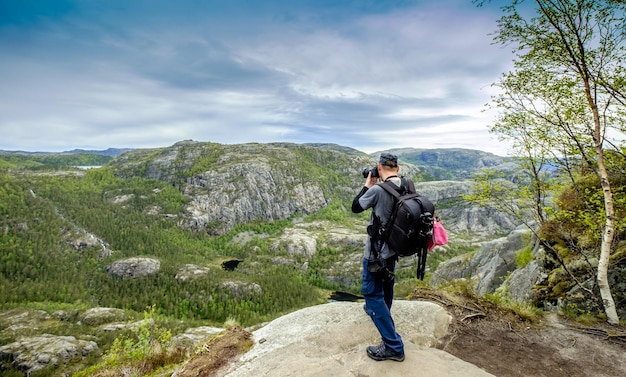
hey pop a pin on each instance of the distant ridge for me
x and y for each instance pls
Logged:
(451, 163)
(338, 148)
(110, 152)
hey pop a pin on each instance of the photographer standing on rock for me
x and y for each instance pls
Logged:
(379, 260)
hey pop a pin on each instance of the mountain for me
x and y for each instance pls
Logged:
(452, 163)
(432, 164)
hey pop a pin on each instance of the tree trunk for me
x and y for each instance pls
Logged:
(607, 241)
(607, 234)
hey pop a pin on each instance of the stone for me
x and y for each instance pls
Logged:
(195, 336)
(134, 267)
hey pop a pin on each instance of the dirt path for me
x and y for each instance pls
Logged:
(503, 344)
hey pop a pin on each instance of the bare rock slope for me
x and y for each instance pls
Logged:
(330, 340)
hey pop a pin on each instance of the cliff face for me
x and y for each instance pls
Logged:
(257, 188)
(466, 220)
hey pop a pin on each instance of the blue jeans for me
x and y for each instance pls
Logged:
(378, 299)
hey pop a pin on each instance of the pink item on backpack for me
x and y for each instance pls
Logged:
(440, 236)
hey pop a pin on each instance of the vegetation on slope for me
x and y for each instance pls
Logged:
(41, 215)
(48, 161)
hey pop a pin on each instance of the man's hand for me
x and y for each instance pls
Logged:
(370, 181)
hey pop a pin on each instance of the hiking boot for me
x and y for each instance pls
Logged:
(381, 352)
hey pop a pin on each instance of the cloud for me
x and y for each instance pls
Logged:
(370, 75)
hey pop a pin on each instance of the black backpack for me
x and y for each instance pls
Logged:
(411, 223)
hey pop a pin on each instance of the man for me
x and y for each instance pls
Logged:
(379, 260)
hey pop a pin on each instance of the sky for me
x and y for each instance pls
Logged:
(367, 74)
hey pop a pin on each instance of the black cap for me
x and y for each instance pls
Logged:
(388, 159)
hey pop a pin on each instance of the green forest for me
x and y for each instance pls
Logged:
(41, 213)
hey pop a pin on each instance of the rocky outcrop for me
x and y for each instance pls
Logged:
(15, 321)
(194, 336)
(489, 266)
(190, 271)
(297, 241)
(330, 340)
(98, 316)
(304, 239)
(463, 218)
(34, 353)
(520, 283)
(261, 191)
(441, 191)
(133, 267)
(239, 289)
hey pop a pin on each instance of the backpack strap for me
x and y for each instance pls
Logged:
(421, 263)
(406, 186)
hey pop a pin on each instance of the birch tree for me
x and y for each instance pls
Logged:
(567, 93)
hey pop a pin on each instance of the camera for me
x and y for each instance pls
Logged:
(373, 170)
(378, 269)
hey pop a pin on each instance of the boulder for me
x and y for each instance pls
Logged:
(521, 282)
(99, 316)
(134, 267)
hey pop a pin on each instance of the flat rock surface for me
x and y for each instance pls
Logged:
(330, 340)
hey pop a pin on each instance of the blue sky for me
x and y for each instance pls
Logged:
(368, 74)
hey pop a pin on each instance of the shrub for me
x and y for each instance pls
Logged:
(522, 258)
